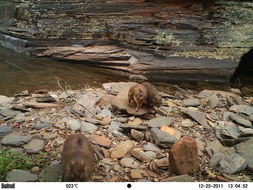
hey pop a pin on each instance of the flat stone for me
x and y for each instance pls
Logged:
(230, 130)
(245, 131)
(191, 102)
(34, 146)
(213, 101)
(137, 135)
(180, 178)
(4, 129)
(88, 127)
(240, 120)
(8, 113)
(4, 100)
(162, 138)
(101, 140)
(135, 174)
(183, 156)
(151, 147)
(42, 125)
(233, 163)
(216, 158)
(148, 155)
(106, 113)
(49, 136)
(187, 123)
(116, 87)
(245, 149)
(73, 124)
(160, 121)
(129, 163)
(164, 110)
(122, 149)
(18, 175)
(15, 139)
(198, 116)
(92, 120)
(245, 109)
(51, 173)
(171, 131)
(136, 121)
(105, 121)
(136, 127)
(226, 116)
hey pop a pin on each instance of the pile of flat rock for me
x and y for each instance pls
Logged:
(192, 136)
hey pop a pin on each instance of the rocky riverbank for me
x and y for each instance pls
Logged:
(149, 145)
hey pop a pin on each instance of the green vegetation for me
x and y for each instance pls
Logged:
(166, 39)
(10, 160)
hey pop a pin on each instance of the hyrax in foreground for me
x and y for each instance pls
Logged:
(153, 96)
(78, 159)
(138, 94)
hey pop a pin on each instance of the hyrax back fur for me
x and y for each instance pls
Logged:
(153, 96)
(137, 93)
(78, 159)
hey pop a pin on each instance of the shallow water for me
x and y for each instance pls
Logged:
(19, 72)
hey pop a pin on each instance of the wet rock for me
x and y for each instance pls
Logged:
(15, 139)
(180, 178)
(230, 130)
(151, 147)
(187, 123)
(171, 131)
(162, 138)
(213, 101)
(183, 156)
(34, 146)
(233, 163)
(73, 124)
(42, 125)
(240, 120)
(122, 149)
(4, 100)
(137, 135)
(129, 163)
(4, 129)
(18, 175)
(197, 116)
(191, 102)
(101, 140)
(245, 149)
(160, 121)
(135, 174)
(245, 109)
(51, 173)
(245, 131)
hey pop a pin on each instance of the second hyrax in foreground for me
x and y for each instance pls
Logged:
(138, 94)
(153, 96)
(78, 159)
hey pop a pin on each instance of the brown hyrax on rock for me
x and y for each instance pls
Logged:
(153, 98)
(138, 94)
(78, 159)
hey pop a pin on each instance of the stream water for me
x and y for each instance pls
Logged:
(19, 72)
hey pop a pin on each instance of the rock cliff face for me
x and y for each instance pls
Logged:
(163, 40)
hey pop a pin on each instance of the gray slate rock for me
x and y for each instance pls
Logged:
(162, 138)
(245, 109)
(240, 120)
(230, 130)
(160, 121)
(193, 102)
(106, 113)
(15, 139)
(213, 101)
(8, 113)
(151, 147)
(198, 116)
(4, 129)
(216, 158)
(73, 124)
(51, 173)
(88, 127)
(42, 125)
(233, 163)
(245, 149)
(34, 146)
(245, 131)
(17, 175)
